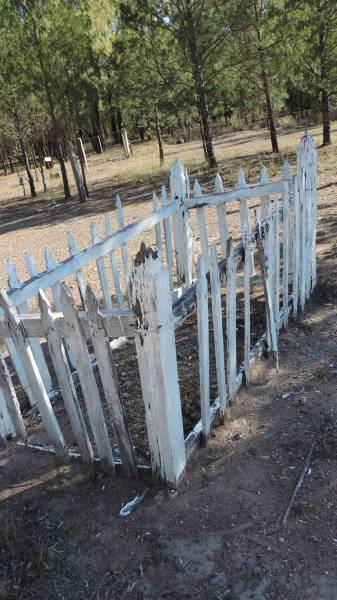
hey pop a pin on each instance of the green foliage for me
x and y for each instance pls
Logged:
(69, 65)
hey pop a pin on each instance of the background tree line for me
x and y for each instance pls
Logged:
(92, 67)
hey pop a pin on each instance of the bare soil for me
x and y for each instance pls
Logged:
(220, 535)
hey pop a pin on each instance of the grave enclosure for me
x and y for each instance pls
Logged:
(50, 352)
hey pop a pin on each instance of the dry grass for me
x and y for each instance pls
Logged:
(30, 225)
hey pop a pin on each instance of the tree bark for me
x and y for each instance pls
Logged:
(326, 119)
(269, 107)
(199, 81)
(159, 139)
(270, 113)
(96, 125)
(28, 171)
(324, 93)
(3, 161)
(19, 133)
(54, 120)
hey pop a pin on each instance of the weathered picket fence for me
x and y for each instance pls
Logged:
(49, 348)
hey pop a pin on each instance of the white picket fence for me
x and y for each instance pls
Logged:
(277, 251)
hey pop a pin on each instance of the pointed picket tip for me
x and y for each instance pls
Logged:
(108, 224)
(218, 184)
(177, 168)
(13, 278)
(155, 202)
(118, 201)
(264, 177)
(66, 296)
(163, 196)
(71, 243)
(91, 298)
(49, 259)
(30, 264)
(286, 170)
(241, 179)
(94, 233)
(197, 189)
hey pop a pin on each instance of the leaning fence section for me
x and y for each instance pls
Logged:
(60, 353)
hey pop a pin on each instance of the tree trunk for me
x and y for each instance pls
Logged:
(326, 118)
(199, 82)
(59, 155)
(42, 170)
(28, 171)
(96, 126)
(324, 93)
(203, 139)
(10, 162)
(270, 113)
(183, 128)
(206, 126)
(269, 107)
(159, 139)
(3, 161)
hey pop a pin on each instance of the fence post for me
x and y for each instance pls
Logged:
(182, 231)
(126, 144)
(156, 352)
(76, 172)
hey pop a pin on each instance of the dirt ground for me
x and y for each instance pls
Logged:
(220, 535)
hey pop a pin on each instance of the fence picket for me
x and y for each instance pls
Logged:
(222, 217)
(313, 192)
(202, 227)
(296, 245)
(231, 321)
(157, 362)
(157, 227)
(13, 283)
(203, 348)
(302, 264)
(78, 274)
(101, 269)
(108, 373)
(13, 421)
(64, 377)
(244, 214)
(246, 285)
(87, 380)
(30, 265)
(268, 297)
(23, 347)
(276, 244)
(113, 263)
(182, 231)
(218, 330)
(285, 254)
(6, 426)
(51, 263)
(124, 249)
(168, 237)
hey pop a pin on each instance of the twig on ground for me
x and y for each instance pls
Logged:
(299, 483)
